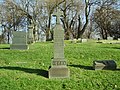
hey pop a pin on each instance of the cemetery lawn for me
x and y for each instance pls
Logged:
(28, 69)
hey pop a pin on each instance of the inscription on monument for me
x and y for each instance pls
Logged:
(59, 63)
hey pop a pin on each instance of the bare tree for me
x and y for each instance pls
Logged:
(76, 17)
(103, 17)
(12, 16)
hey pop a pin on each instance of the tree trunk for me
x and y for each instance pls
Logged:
(48, 28)
(105, 34)
(8, 38)
(79, 25)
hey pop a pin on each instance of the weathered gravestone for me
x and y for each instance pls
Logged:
(73, 40)
(19, 40)
(84, 40)
(104, 65)
(118, 39)
(109, 38)
(59, 67)
(30, 34)
(79, 40)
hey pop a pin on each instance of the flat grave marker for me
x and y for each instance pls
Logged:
(104, 65)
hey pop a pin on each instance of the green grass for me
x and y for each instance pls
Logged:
(28, 69)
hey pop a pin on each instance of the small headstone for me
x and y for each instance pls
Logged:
(109, 38)
(104, 65)
(19, 40)
(84, 40)
(59, 67)
(118, 39)
(79, 40)
(73, 40)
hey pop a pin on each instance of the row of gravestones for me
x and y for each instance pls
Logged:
(79, 40)
(110, 38)
(110, 41)
(59, 67)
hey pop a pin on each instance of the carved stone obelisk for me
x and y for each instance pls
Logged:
(59, 67)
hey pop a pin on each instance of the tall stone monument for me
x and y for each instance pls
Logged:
(19, 40)
(30, 34)
(59, 67)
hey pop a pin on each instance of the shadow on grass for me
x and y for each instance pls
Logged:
(40, 72)
(111, 47)
(118, 69)
(5, 48)
(82, 66)
(89, 67)
(115, 47)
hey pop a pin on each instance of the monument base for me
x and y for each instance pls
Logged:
(104, 65)
(19, 47)
(59, 72)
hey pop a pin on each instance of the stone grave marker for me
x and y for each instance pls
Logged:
(19, 40)
(84, 40)
(59, 67)
(118, 39)
(73, 40)
(109, 38)
(79, 40)
(30, 34)
(104, 65)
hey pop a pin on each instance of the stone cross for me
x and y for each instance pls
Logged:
(58, 39)
(58, 15)
(58, 65)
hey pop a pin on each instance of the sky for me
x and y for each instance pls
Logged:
(1, 1)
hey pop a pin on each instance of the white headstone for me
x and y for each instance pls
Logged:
(118, 39)
(84, 40)
(79, 40)
(109, 38)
